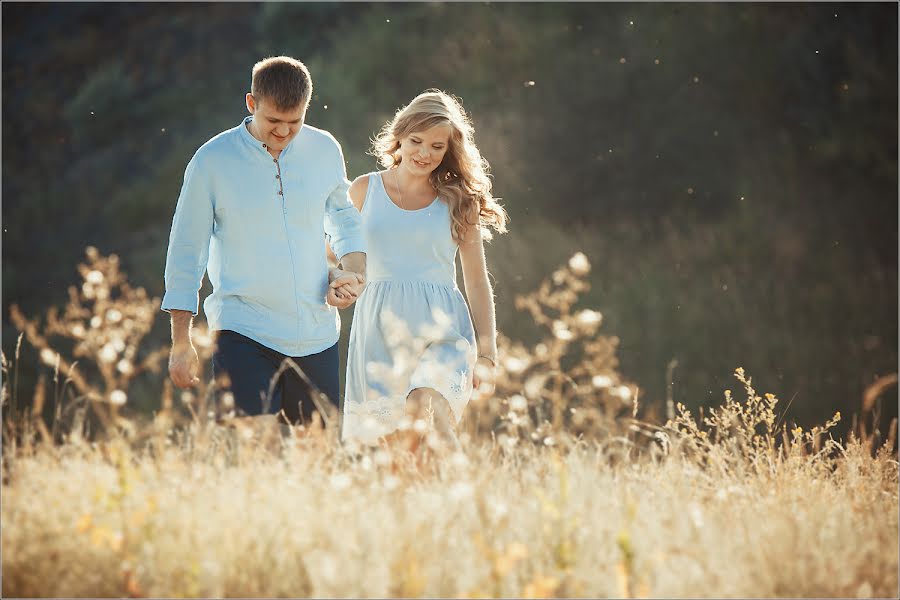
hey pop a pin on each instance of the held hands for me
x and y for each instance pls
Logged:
(184, 365)
(344, 287)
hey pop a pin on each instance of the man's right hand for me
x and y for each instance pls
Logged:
(184, 365)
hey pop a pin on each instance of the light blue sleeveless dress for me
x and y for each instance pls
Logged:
(411, 326)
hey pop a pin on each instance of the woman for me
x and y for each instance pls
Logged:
(414, 358)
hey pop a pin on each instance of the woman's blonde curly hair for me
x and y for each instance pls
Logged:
(462, 178)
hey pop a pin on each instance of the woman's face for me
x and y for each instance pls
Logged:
(423, 151)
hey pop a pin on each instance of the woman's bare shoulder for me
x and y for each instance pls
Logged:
(358, 190)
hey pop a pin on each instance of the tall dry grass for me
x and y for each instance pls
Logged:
(561, 489)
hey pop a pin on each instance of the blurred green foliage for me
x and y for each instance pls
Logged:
(729, 169)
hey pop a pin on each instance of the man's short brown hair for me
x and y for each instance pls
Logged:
(283, 80)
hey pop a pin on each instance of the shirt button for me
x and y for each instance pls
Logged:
(280, 193)
(278, 177)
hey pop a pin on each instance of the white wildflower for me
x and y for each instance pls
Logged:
(579, 264)
(48, 357)
(340, 481)
(515, 365)
(462, 490)
(589, 317)
(459, 459)
(518, 402)
(108, 353)
(561, 331)
(601, 381)
(118, 398)
(534, 386)
(623, 392)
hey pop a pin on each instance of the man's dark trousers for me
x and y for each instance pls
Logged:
(248, 368)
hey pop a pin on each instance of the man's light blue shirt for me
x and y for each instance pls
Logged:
(258, 226)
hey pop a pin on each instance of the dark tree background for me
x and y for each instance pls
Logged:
(729, 169)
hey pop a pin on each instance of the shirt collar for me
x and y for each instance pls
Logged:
(260, 146)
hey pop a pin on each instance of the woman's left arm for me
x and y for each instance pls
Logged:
(481, 303)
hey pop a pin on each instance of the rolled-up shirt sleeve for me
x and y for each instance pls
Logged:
(189, 238)
(343, 223)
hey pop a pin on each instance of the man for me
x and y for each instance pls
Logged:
(256, 205)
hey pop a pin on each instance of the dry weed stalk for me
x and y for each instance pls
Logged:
(102, 325)
(567, 386)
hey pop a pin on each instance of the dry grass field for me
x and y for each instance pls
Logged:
(595, 520)
(561, 489)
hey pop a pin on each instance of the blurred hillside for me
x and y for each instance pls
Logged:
(729, 169)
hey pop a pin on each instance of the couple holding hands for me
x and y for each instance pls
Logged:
(267, 211)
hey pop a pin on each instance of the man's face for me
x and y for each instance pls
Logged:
(276, 128)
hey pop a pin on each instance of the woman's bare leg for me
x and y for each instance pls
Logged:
(428, 419)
